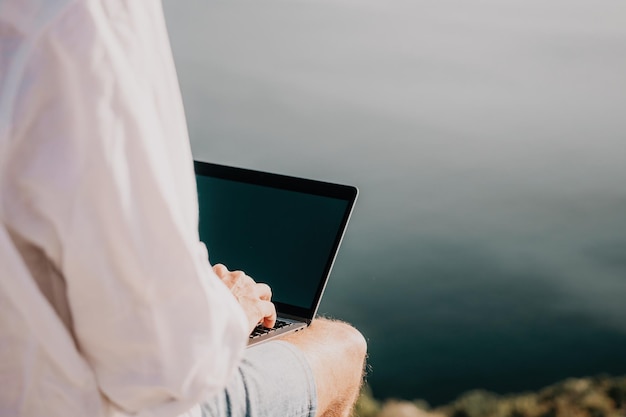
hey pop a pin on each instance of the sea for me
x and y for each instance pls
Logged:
(487, 138)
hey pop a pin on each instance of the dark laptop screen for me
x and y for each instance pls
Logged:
(279, 236)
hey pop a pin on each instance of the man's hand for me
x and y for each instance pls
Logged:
(253, 297)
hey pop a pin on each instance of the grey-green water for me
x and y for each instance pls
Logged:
(488, 139)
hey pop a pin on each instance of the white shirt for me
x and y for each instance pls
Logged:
(108, 304)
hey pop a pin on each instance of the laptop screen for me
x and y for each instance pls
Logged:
(283, 231)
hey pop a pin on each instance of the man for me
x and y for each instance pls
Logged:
(108, 304)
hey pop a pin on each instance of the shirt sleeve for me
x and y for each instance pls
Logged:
(105, 181)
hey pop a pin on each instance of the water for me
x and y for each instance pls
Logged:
(488, 139)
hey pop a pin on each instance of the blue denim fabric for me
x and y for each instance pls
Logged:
(274, 380)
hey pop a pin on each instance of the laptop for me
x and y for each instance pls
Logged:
(280, 230)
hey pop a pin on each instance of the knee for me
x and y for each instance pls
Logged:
(345, 337)
(355, 342)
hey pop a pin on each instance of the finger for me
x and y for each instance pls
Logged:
(264, 292)
(241, 277)
(233, 280)
(240, 282)
(220, 270)
(269, 313)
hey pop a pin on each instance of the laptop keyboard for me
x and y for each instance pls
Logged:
(261, 330)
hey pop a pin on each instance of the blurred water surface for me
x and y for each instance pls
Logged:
(488, 139)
